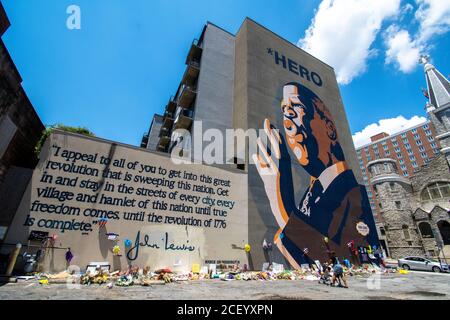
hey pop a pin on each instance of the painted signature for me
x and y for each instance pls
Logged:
(166, 244)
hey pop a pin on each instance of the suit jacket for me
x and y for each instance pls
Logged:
(335, 214)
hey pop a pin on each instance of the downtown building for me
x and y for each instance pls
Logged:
(407, 176)
(411, 149)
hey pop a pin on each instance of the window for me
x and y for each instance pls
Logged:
(421, 148)
(387, 152)
(398, 204)
(410, 152)
(414, 164)
(399, 155)
(428, 132)
(401, 161)
(433, 145)
(430, 138)
(405, 141)
(416, 136)
(382, 231)
(425, 230)
(406, 234)
(412, 158)
(397, 149)
(424, 155)
(426, 127)
(403, 135)
(419, 142)
(385, 147)
(405, 173)
(403, 167)
(392, 186)
(437, 190)
(395, 143)
(436, 151)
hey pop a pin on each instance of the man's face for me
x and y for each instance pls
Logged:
(309, 135)
(296, 119)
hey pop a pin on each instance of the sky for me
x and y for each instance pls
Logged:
(127, 58)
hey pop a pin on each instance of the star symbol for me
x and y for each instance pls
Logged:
(270, 51)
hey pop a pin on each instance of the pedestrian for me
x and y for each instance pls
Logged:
(338, 274)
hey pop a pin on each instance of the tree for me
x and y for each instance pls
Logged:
(49, 129)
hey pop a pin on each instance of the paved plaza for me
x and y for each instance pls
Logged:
(415, 285)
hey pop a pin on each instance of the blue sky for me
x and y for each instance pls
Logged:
(128, 58)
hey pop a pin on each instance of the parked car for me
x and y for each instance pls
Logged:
(423, 264)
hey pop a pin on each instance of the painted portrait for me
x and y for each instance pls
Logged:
(334, 211)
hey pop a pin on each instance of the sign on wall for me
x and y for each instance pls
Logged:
(94, 195)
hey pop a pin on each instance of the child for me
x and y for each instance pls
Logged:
(325, 276)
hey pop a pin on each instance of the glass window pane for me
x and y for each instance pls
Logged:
(425, 195)
(445, 190)
(434, 192)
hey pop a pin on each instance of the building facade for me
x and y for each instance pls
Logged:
(290, 190)
(20, 130)
(414, 208)
(410, 149)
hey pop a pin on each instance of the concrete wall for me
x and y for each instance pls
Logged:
(214, 100)
(129, 210)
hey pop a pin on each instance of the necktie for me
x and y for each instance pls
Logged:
(312, 197)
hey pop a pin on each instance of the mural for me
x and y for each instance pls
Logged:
(333, 217)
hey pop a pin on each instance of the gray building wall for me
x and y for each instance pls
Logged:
(153, 133)
(214, 102)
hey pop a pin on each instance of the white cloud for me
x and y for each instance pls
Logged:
(403, 50)
(434, 18)
(390, 126)
(343, 31)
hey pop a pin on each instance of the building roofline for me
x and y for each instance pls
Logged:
(284, 39)
(215, 25)
(130, 146)
(4, 15)
(393, 135)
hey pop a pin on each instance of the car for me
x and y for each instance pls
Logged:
(422, 264)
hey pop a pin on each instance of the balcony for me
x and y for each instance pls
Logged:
(187, 96)
(183, 118)
(191, 74)
(163, 143)
(167, 120)
(164, 131)
(144, 141)
(172, 105)
(195, 52)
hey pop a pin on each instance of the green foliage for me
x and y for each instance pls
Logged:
(50, 129)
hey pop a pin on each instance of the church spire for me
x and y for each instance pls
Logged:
(438, 85)
(438, 106)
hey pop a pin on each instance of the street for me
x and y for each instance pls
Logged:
(414, 286)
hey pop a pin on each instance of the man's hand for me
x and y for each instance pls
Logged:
(275, 171)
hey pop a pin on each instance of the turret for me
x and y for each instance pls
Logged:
(394, 195)
(438, 106)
